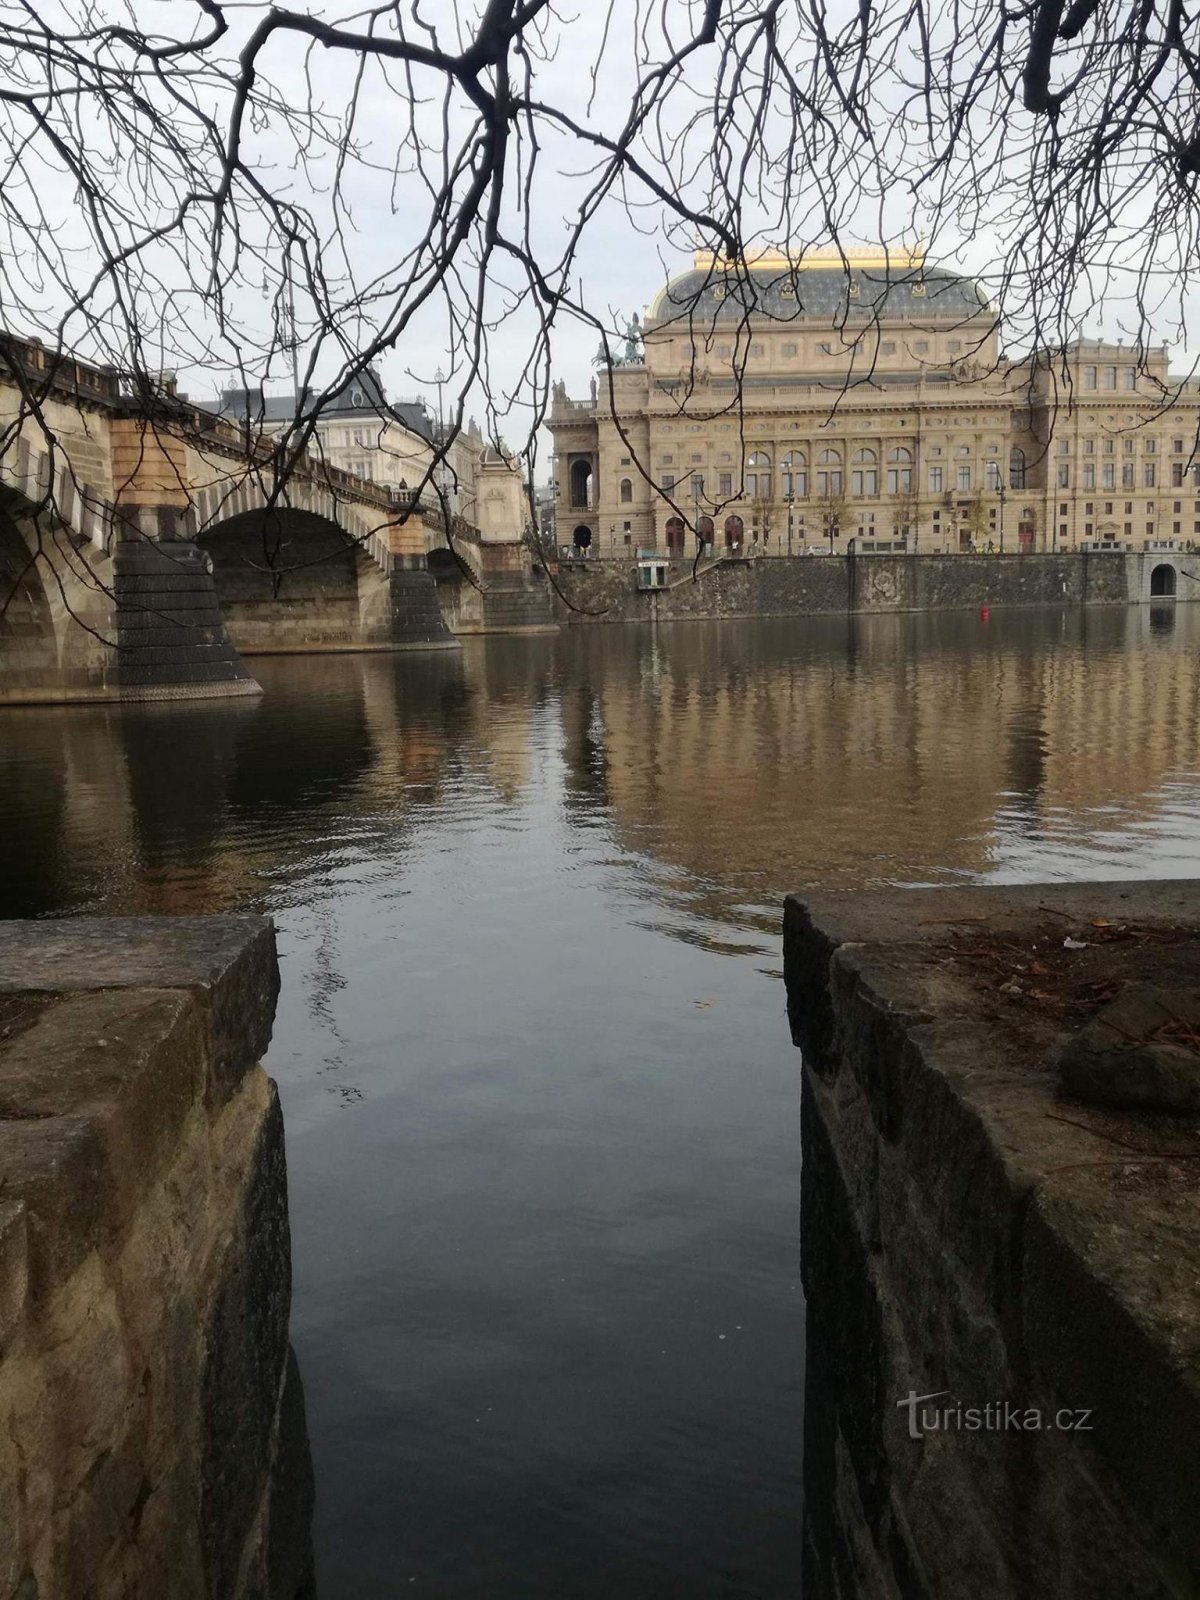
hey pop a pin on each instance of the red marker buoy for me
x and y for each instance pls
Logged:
(983, 613)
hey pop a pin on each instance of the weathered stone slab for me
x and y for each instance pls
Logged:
(151, 1423)
(228, 963)
(971, 1231)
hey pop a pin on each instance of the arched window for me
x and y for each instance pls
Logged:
(829, 472)
(794, 473)
(626, 491)
(581, 485)
(900, 472)
(1016, 467)
(758, 476)
(675, 531)
(864, 475)
(735, 532)
(705, 529)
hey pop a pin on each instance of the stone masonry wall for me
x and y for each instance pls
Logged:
(151, 1420)
(974, 1236)
(812, 585)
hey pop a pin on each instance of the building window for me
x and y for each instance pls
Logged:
(1089, 474)
(1088, 509)
(824, 349)
(1149, 527)
(1016, 468)
(725, 485)
(864, 475)
(758, 476)
(1127, 475)
(789, 349)
(1107, 476)
(1064, 447)
(1087, 530)
(1177, 474)
(1110, 377)
(888, 347)
(667, 482)
(697, 485)
(964, 478)
(668, 460)
(1131, 377)
(991, 476)
(1089, 447)
(921, 348)
(725, 350)
(1128, 445)
(358, 437)
(954, 345)
(626, 491)
(1089, 377)
(758, 349)
(935, 480)
(627, 526)
(1064, 477)
(1128, 529)
(1109, 446)
(1151, 447)
(1148, 475)
(1062, 530)
(1177, 447)
(624, 461)
(794, 469)
(900, 472)
(829, 473)
(1175, 527)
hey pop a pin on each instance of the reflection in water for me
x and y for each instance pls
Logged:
(540, 1098)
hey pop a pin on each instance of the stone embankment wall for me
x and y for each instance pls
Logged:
(813, 585)
(974, 1236)
(152, 1436)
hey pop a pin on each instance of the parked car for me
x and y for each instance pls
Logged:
(816, 550)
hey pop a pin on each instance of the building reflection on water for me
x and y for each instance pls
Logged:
(755, 758)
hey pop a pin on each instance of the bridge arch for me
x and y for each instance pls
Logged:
(290, 579)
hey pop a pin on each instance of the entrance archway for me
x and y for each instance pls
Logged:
(582, 537)
(735, 532)
(675, 531)
(1163, 580)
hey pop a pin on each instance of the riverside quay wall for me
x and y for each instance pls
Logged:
(152, 1438)
(1000, 1241)
(607, 591)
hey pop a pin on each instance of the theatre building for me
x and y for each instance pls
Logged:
(788, 405)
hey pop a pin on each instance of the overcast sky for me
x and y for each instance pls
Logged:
(587, 62)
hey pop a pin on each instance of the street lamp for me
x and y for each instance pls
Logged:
(1002, 498)
(791, 502)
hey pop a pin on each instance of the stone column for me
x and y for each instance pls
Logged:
(417, 622)
(172, 643)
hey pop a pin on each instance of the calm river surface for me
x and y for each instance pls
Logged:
(541, 1103)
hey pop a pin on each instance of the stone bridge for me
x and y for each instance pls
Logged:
(145, 544)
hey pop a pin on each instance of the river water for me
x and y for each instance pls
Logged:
(541, 1106)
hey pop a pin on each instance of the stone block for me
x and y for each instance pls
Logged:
(227, 963)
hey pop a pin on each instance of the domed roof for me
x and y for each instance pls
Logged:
(821, 290)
